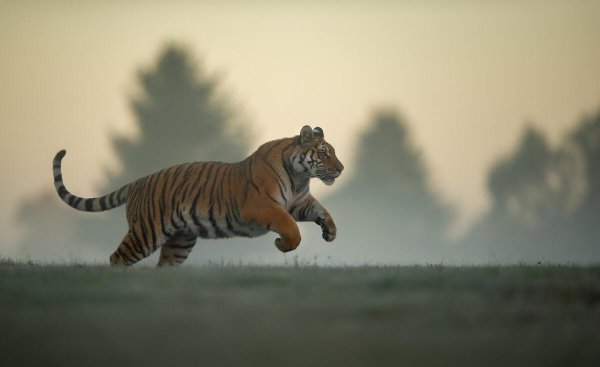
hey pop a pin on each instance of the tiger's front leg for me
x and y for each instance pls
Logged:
(310, 210)
(277, 220)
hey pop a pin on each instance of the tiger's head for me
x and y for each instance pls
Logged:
(314, 157)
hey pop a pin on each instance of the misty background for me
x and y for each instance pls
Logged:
(392, 205)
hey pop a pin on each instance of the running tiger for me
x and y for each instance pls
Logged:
(268, 191)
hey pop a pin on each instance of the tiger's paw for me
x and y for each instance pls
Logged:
(329, 236)
(329, 232)
(281, 247)
(329, 229)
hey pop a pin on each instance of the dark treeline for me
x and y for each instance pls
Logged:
(545, 200)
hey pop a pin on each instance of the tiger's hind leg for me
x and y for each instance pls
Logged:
(176, 250)
(131, 250)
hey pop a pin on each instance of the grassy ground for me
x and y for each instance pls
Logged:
(300, 316)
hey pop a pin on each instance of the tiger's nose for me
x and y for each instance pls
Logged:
(339, 167)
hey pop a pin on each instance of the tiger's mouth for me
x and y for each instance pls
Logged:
(329, 179)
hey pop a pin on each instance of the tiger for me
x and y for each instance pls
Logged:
(267, 191)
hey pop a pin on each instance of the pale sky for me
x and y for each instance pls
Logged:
(466, 75)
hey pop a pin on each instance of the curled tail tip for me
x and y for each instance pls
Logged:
(61, 154)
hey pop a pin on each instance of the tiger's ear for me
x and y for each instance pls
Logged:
(307, 135)
(318, 132)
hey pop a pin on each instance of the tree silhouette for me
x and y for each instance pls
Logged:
(520, 197)
(521, 185)
(583, 224)
(387, 210)
(586, 139)
(543, 202)
(181, 117)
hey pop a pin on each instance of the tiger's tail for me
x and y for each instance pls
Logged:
(106, 202)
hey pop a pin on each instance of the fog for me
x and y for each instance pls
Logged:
(394, 204)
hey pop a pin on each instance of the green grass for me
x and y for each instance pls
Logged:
(300, 316)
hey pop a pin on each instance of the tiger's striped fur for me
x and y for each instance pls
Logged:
(268, 191)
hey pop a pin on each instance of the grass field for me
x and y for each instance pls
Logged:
(299, 316)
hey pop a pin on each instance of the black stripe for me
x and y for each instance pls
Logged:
(229, 225)
(240, 178)
(58, 178)
(282, 195)
(136, 257)
(89, 204)
(173, 223)
(201, 189)
(279, 180)
(293, 209)
(311, 209)
(176, 213)
(214, 183)
(151, 209)
(235, 212)
(135, 241)
(162, 203)
(178, 246)
(303, 212)
(180, 216)
(149, 243)
(220, 197)
(249, 165)
(133, 251)
(286, 166)
(233, 230)
(164, 230)
(174, 195)
(121, 194)
(187, 185)
(202, 231)
(125, 256)
(177, 172)
(303, 189)
(111, 199)
(161, 207)
(134, 199)
(218, 232)
(220, 189)
(289, 175)
(172, 192)
(62, 191)
(71, 200)
(103, 203)
(272, 198)
(142, 227)
(230, 180)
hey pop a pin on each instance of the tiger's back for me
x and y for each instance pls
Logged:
(202, 198)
